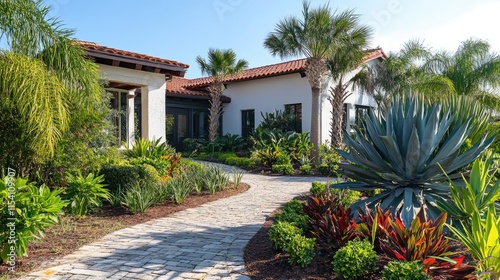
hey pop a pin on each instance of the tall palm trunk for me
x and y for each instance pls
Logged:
(337, 97)
(215, 110)
(315, 70)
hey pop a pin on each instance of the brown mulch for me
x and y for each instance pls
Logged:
(71, 233)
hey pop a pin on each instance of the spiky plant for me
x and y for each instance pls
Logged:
(401, 152)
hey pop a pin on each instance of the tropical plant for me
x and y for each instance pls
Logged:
(84, 192)
(330, 223)
(279, 120)
(423, 240)
(374, 225)
(220, 65)
(476, 196)
(317, 36)
(43, 61)
(179, 187)
(237, 176)
(472, 70)
(215, 180)
(481, 236)
(354, 260)
(344, 63)
(138, 199)
(32, 208)
(402, 153)
(152, 149)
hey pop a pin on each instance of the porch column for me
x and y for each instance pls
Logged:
(130, 118)
(153, 112)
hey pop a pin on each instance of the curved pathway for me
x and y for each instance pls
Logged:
(205, 242)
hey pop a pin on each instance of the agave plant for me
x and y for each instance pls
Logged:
(401, 153)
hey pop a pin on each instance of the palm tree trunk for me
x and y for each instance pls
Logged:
(337, 102)
(215, 111)
(315, 70)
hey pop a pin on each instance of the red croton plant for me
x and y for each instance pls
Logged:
(424, 241)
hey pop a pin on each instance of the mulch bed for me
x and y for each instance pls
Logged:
(71, 233)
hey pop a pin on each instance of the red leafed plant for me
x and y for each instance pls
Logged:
(332, 226)
(424, 241)
(374, 225)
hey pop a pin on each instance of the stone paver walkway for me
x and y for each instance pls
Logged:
(205, 242)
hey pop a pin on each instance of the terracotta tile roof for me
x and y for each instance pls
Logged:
(177, 86)
(283, 68)
(91, 46)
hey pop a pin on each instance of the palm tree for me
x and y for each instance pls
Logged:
(347, 58)
(472, 70)
(220, 65)
(317, 36)
(43, 74)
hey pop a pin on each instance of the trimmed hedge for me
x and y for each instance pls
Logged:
(126, 176)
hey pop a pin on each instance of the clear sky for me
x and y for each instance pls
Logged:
(182, 29)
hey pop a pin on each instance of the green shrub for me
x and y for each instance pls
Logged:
(317, 188)
(301, 250)
(138, 199)
(84, 192)
(305, 169)
(127, 176)
(400, 270)
(293, 213)
(160, 165)
(282, 233)
(239, 161)
(35, 209)
(282, 159)
(354, 260)
(286, 169)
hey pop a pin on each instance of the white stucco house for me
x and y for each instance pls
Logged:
(156, 101)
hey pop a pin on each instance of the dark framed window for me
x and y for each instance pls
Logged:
(295, 110)
(361, 113)
(247, 122)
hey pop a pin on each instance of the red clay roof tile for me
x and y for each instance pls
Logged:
(96, 47)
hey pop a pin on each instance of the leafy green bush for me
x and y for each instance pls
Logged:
(305, 169)
(354, 260)
(293, 213)
(161, 165)
(399, 270)
(84, 192)
(35, 209)
(282, 233)
(317, 188)
(127, 176)
(403, 151)
(138, 199)
(286, 169)
(301, 250)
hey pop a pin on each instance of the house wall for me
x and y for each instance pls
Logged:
(268, 94)
(153, 88)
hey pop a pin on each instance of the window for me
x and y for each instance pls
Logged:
(295, 111)
(247, 123)
(361, 113)
(119, 103)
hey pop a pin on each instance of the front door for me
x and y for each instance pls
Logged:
(177, 126)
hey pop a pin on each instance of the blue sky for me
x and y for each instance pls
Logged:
(182, 29)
